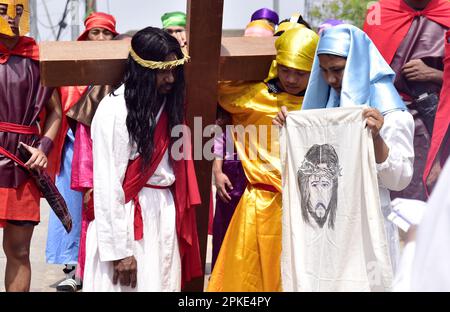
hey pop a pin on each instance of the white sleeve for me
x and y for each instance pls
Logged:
(396, 172)
(111, 153)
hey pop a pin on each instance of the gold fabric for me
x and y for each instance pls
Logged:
(249, 259)
(296, 49)
(24, 24)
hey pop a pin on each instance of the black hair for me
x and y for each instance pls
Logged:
(300, 20)
(141, 95)
(122, 36)
(303, 22)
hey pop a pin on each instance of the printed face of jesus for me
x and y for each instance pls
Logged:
(321, 191)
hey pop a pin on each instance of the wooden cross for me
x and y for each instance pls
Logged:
(213, 59)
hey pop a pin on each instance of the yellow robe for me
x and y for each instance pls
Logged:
(250, 255)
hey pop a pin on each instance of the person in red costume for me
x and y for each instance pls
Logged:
(143, 236)
(440, 142)
(410, 35)
(22, 100)
(63, 248)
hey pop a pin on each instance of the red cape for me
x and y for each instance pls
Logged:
(26, 47)
(396, 20)
(69, 97)
(185, 194)
(442, 119)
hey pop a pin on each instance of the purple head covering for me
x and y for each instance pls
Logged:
(265, 13)
(329, 23)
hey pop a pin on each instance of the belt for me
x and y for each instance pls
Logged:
(157, 187)
(138, 222)
(265, 187)
(16, 128)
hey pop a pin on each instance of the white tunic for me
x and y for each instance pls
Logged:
(111, 235)
(424, 265)
(395, 173)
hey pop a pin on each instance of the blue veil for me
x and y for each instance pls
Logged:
(368, 79)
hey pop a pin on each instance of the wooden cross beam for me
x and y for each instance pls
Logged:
(204, 31)
(213, 58)
(65, 63)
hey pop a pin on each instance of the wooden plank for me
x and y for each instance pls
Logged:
(246, 58)
(101, 63)
(204, 41)
(82, 62)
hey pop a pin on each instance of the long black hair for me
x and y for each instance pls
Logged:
(141, 94)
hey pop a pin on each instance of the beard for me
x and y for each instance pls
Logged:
(165, 89)
(319, 213)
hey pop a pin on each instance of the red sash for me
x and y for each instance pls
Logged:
(16, 128)
(442, 119)
(13, 157)
(136, 179)
(26, 47)
(396, 20)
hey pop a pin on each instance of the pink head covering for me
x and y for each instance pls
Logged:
(259, 28)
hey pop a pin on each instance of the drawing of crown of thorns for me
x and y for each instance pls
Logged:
(308, 169)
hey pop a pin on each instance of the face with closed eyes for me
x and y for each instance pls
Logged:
(333, 68)
(293, 81)
(165, 78)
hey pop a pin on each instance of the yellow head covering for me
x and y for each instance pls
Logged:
(24, 25)
(295, 49)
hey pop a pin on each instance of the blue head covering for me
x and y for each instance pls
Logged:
(368, 79)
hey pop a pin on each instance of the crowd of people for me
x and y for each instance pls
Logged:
(132, 203)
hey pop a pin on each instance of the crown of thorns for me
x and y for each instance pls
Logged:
(308, 169)
(158, 65)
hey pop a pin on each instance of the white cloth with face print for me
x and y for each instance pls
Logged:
(334, 235)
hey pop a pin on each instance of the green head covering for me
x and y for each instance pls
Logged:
(173, 19)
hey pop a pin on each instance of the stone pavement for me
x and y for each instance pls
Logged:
(45, 276)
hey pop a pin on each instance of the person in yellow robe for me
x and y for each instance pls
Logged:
(249, 259)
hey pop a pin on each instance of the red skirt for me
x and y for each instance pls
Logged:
(21, 204)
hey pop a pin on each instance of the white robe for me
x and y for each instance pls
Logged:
(395, 173)
(111, 235)
(425, 265)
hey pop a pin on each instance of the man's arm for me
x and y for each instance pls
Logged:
(111, 152)
(53, 121)
(38, 159)
(417, 70)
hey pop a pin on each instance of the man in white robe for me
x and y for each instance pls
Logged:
(134, 244)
